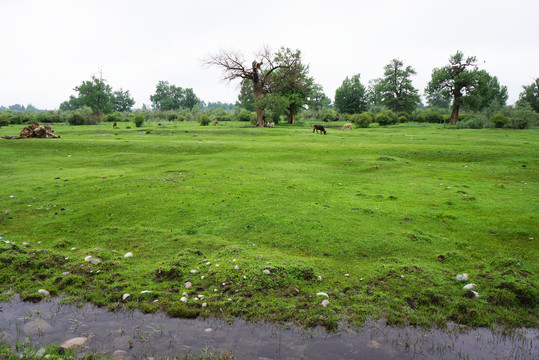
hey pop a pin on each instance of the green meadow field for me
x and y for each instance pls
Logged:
(380, 219)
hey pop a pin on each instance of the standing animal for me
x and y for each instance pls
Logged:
(114, 125)
(347, 127)
(318, 128)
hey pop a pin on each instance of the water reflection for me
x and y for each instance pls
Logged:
(142, 336)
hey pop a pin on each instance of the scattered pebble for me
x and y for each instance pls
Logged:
(125, 296)
(183, 299)
(266, 271)
(75, 342)
(73, 248)
(128, 255)
(234, 260)
(204, 305)
(208, 330)
(43, 292)
(347, 275)
(25, 244)
(217, 265)
(236, 267)
(202, 277)
(320, 278)
(201, 297)
(244, 277)
(88, 258)
(361, 279)
(461, 277)
(40, 353)
(476, 294)
(188, 285)
(208, 263)
(325, 303)
(322, 294)
(193, 271)
(95, 261)
(214, 290)
(66, 273)
(470, 287)
(145, 292)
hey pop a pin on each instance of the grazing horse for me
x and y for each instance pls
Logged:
(347, 127)
(114, 125)
(318, 128)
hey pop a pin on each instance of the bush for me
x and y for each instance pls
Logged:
(499, 120)
(114, 117)
(223, 118)
(204, 120)
(75, 119)
(139, 120)
(253, 119)
(330, 116)
(172, 117)
(244, 115)
(361, 120)
(387, 117)
(472, 122)
(523, 117)
(4, 120)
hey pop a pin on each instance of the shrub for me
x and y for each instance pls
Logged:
(472, 122)
(244, 115)
(204, 120)
(523, 117)
(181, 117)
(172, 117)
(253, 118)
(434, 117)
(139, 120)
(330, 116)
(403, 117)
(361, 120)
(387, 117)
(499, 120)
(223, 118)
(75, 119)
(114, 117)
(4, 120)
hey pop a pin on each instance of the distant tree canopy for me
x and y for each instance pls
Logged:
(97, 95)
(171, 97)
(269, 73)
(246, 97)
(395, 90)
(350, 97)
(530, 95)
(466, 85)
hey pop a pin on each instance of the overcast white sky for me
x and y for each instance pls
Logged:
(51, 46)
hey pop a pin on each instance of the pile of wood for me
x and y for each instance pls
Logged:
(35, 131)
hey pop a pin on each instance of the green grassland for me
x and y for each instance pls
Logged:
(401, 210)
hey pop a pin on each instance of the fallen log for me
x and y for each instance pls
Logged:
(35, 131)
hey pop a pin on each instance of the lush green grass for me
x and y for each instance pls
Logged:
(402, 210)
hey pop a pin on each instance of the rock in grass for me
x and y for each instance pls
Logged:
(325, 303)
(470, 287)
(204, 305)
(322, 294)
(88, 258)
(128, 255)
(43, 292)
(75, 342)
(236, 267)
(40, 353)
(471, 294)
(320, 278)
(125, 296)
(120, 354)
(37, 327)
(95, 261)
(266, 271)
(193, 271)
(183, 299)
(25, 244)
(188, 285)
(461, 277)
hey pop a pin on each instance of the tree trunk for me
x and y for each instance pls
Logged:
(260, 109)
(292, 114)
(457, 95)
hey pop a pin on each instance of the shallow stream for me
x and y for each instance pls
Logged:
(146, 335)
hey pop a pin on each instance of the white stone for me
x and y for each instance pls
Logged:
(201, 297)
(125, 296)
(66, 273)
(188, 285)
(234, 260)
(320, 278)
(202, 277)
(325, 303)
(236, 267)
(347, 275)
(120, 354)
(95, 261)
(183, 299)
(128, 255)
(476, 294)
(145, 292)
(266, 271)
(204, 305)
(193, 271)
(208, 263)
(155, 301)
(73, 248)
(244, 277)
(88, 258)
(214, 290)
(217, 265)
(43, 292)
(461, 277)
(25, 244)
(40, 353)
(208, 330)
(185, 294)
(75, 342)
(322, 294)
(470, 287)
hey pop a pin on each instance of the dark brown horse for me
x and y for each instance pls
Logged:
(318, 128)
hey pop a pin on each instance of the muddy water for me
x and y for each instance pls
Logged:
(142, 336)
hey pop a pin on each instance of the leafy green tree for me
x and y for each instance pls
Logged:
(94, 93)
(458, 80)
(396, 89)
(374, 92)
(350, 97)
(530, 95)
(246, 97)
(122, 101)
(171, 97)
(260, 74)
(316, 98)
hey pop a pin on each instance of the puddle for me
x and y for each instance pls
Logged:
(145, 335)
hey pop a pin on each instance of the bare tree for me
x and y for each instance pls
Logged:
(262, 72)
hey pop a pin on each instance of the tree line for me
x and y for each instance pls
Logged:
(277, 86)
